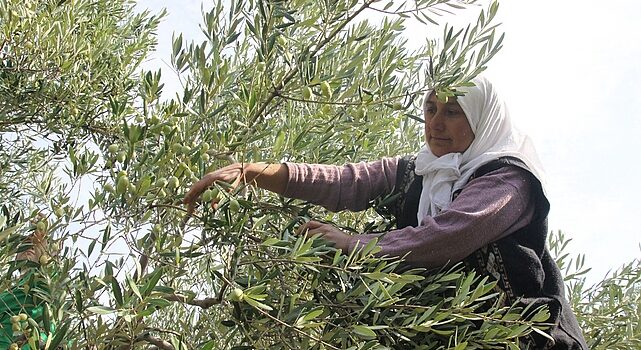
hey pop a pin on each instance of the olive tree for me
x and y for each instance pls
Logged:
(93, 153)
(62, 66)
(608, 310)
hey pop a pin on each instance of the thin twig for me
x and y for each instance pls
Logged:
(382, 101)
(152, 206)
(277, 320)
(202, 303)
(416, 9)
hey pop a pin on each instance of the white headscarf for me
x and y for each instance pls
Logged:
(494, 137)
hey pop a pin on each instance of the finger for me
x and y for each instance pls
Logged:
(191, 207)
(306, 226)
(301, 229)
(199, 187)
(196, 189)
(320, 231)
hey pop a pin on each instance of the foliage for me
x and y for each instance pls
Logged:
(93, 153)
(608, 311)
(61, 63)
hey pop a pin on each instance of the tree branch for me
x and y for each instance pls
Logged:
(147, 337)
(292, 73)
(159, 343)
(202, 303)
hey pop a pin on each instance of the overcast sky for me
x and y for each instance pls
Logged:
(570, 72)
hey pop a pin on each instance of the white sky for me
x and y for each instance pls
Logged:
(570, 73)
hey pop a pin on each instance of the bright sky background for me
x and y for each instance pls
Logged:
(571, 74)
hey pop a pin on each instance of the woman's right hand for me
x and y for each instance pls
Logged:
(272, 177)
(231, 174)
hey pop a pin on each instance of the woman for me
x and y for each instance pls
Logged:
(474, 193)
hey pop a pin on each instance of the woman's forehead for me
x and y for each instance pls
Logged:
(450, 101)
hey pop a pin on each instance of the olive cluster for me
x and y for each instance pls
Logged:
(25, 325)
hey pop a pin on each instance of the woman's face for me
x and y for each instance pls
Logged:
(446, 127)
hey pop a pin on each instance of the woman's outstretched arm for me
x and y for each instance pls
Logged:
(272, 177)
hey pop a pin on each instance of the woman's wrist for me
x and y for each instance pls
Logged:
(272, 177)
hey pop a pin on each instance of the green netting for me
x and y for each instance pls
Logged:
(13, 302)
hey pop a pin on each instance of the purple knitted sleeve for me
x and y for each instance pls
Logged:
(489, 208)
(336, 188)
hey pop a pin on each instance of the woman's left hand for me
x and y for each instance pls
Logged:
(329, 232)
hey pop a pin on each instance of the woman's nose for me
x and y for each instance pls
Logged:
(436, 122)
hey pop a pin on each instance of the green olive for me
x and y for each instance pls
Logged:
(109, 188)
(162, 182)
(59, 212)
(122, 156)
(234, 206)
(122, 185)
(236, 295)
(113, 148)
(214, 193)
(173, 182)
(44, 259)
(207, 196)
(307, 93)
(326, 89)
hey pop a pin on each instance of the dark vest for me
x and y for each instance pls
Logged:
(519, 262)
